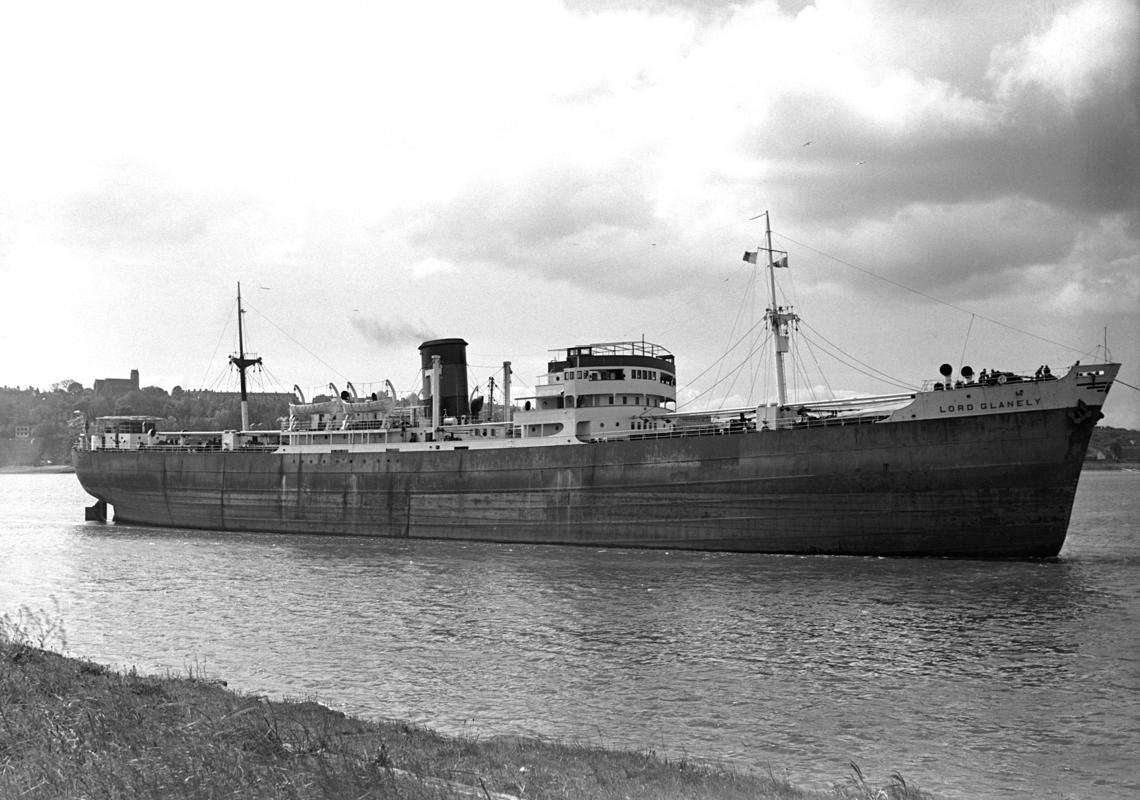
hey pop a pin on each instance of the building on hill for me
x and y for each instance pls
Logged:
(113, 386)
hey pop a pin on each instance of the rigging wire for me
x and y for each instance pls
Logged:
(799, 368)
(743, 362)
(962, 360)
(715, 363)
(882, 375)
(735, 374)
(748, 299)
(924, 294)
(287, 335)
(516, 379)
(739, 313)
(757, 374)
(815, 360)
(273, 379)
(214, 356)
(220, 379)
(260, 401)
(768, 371)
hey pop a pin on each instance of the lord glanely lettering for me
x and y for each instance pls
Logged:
(959, 407)
(990, 406)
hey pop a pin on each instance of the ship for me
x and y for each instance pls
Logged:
(971, 465)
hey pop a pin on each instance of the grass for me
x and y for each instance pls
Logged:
(71, 728)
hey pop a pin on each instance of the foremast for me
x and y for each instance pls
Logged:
(779, 317)
(242, 362)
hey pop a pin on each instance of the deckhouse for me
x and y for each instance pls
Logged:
(601, 390)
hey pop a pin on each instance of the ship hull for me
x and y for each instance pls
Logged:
(999, 485)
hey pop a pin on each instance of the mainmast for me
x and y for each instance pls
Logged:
(242, 363)
(778, 317)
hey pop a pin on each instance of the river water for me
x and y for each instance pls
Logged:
(971, 678)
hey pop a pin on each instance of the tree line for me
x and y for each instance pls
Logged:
(56, 416)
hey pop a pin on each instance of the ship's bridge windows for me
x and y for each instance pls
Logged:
(608, 375)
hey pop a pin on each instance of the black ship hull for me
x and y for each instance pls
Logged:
(997, 485)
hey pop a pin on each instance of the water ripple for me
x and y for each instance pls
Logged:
(972, 678)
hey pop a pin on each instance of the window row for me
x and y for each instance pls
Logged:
(616, 375)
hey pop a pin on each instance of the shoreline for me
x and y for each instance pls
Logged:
(144, 735)
(46, 469)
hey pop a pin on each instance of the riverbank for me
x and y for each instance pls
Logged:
(1125, 466)
(73, 728)
(46, 469)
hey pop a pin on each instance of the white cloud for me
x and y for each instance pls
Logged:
(432, 267)
(1089, 45)
(594, 167)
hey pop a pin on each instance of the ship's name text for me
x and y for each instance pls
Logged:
(953, 409)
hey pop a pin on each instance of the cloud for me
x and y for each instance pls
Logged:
(1069, 97)
(540, 221)
(129, 211)
(1088, 47)
(595, 163)
(432, 267)
(1102, 273)
(961, 250)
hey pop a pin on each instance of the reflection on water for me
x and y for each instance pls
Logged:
(972, 678)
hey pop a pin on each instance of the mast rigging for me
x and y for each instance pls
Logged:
(242, 363)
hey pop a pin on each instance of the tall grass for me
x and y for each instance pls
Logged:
(40, 628)
(73, 729)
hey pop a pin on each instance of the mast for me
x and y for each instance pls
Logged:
(778, 317)
(507, 410)
(243, 363)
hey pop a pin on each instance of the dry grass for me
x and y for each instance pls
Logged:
(73, 729)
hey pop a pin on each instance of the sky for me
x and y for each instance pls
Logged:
(953, 181)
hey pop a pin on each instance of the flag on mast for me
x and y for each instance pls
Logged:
(750, 256)
(781, 262)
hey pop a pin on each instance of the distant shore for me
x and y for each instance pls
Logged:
(24, 469)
